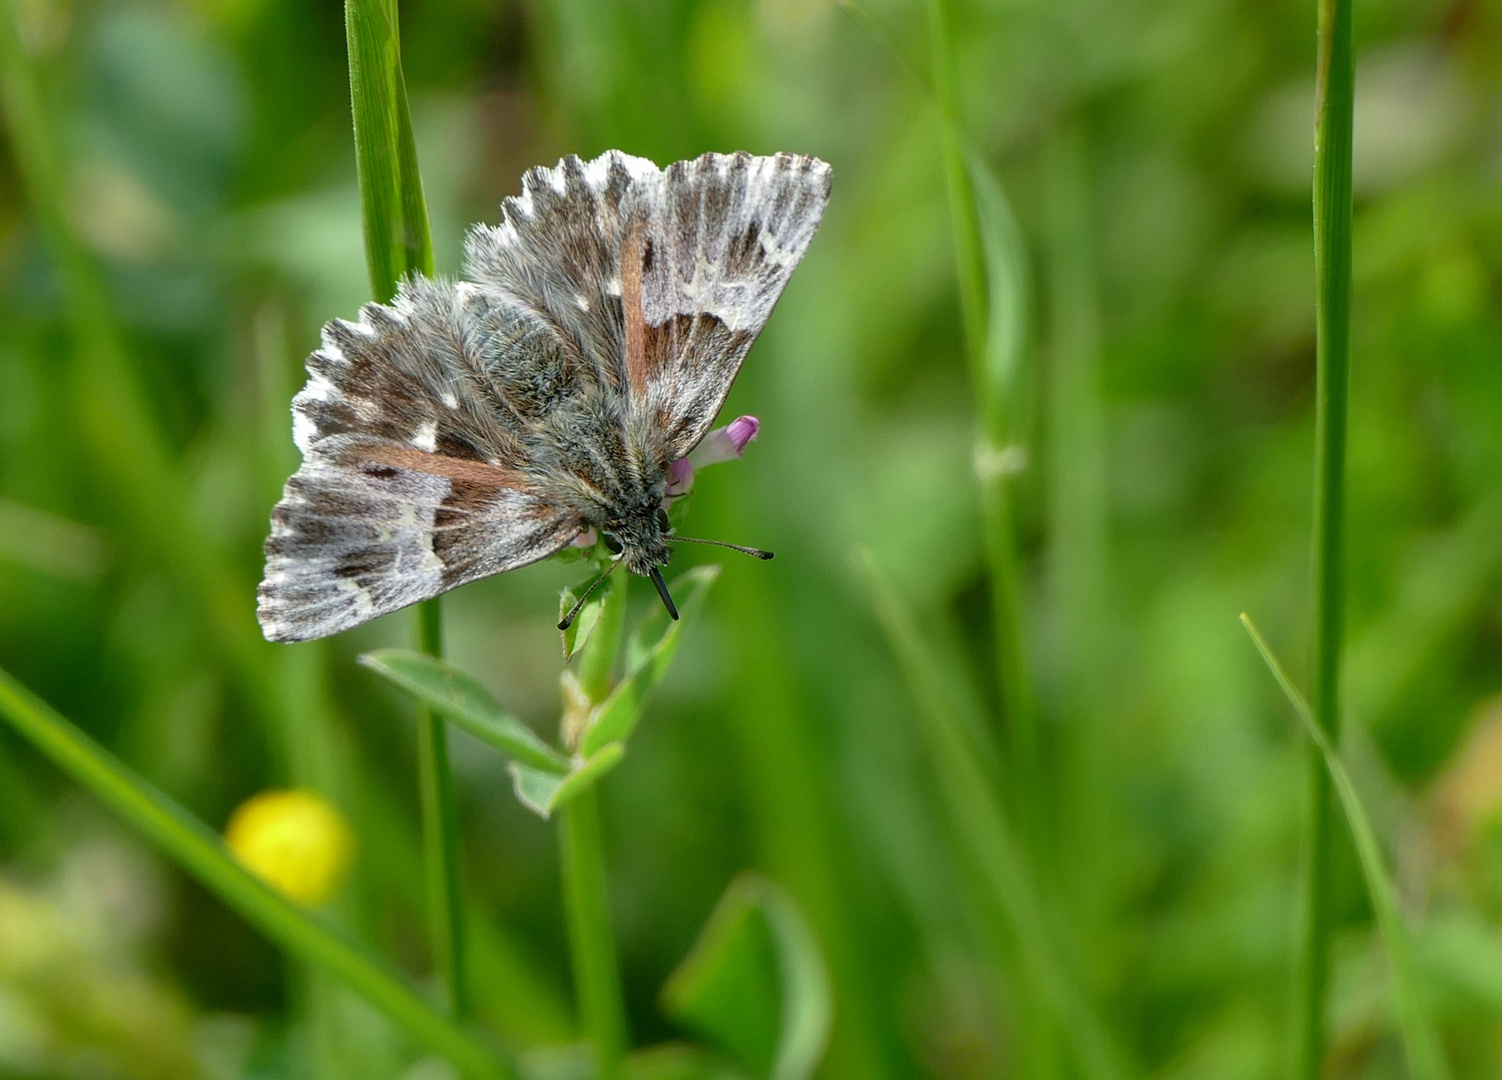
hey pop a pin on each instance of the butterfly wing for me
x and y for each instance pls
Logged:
(416, 474)
(662, 278)
(726, 236)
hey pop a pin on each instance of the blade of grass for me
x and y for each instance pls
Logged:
(988, 841)
(199, 851)
(1015, 690)
(1420, 1041)
(398, 243)
(1334, 102)
(393, 210)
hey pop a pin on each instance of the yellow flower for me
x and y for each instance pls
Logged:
(295, 841)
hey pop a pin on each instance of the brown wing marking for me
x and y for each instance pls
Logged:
(636, 334)
(460, 469)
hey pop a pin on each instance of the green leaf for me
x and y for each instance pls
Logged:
(468, 706)
(1421, 1043)
(649, 652)
(755, 984)
(199, 851)
(578, 632)
(1009, 288)
(543, 792)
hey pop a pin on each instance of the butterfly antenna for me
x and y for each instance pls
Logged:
(662, 590)
(573, 612)
(755, 552)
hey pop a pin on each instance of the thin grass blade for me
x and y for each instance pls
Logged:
(199, 851)
(1335, 79)
(398, 243)
(1421, 1042)
(988, 840)
(394, 212)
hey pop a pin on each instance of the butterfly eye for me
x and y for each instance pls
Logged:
(663, 522)
(612, 544)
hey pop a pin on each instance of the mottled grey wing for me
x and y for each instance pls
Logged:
(727, 234)
(414, 478)
(558, 250)
(695, 256)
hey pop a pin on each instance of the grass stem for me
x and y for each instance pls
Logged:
(591, 942)
(1015, 683)
(398, 243)
(597, 983)
(440, 828)
(1334, 95)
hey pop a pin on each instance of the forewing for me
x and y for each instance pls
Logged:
(661, 279)
(558, 249)
(725, 237)
(414, 478)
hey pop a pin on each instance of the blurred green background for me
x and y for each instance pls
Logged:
(1158, 156)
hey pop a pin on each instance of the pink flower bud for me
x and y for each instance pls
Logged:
(727, 443)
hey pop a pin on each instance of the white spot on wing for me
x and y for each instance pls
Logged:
(427, 436)
(318, 389)
(304, 431)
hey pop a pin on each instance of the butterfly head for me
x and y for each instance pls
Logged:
(640, 540)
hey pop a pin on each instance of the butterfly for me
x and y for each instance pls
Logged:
(474, 426)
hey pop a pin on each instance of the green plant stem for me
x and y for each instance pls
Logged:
(398, 243)
(200, 852)
(1335, 85)
(597, 983)
(1015, 684)
(440, 827)
(597, 980)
